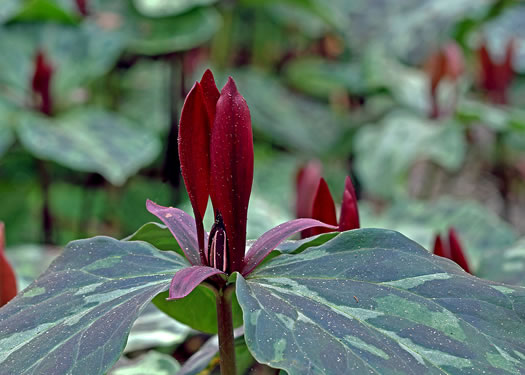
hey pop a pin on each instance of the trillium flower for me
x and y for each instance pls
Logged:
(7, 275)
(448, 62)
(321, 204)
(496, 77)
(216, 158)
(41, 83)
(451, 248)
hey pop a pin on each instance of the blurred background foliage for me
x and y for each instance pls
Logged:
(422, 102)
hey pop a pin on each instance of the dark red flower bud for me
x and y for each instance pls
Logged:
(323, 208)
(41, 83)
(495, 78)
(306, 184)
(451, 249)
(231, 168)
(8, 288)
(448, 62)
(82, 7)
(217, 256)
(456, 250)
(349, 218)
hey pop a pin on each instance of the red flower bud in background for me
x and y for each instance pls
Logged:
(451, 248)
(496, 77)
(306, 183)
(82, 7)
(323, 209)
(449, 63)
(7, 275)
(41, 83)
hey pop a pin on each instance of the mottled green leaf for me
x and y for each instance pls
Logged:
(78, 54)
(76, 317)
(150, 363)
(91, 141)
(372, 301)
(385, 153)
(321, 78)
(155, 329)
(163, 8)
(506, 265)
(285, 117)
(156, 36)
(197, 310)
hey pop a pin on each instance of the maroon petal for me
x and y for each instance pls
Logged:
(323, 208)
(7, 275)
(231, 173)
(41, 83)
(440, 249)
(211, 94)
(182, 226)
(456, 250)
(188, 279)
(307, 182)
(349, 218)
(269, 240)
(194, 149)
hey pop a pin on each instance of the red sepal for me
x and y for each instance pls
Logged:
(323, 208)
(8, 288)
(349, 218)
(456, 250)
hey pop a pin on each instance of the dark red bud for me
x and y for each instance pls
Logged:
(231, 168)
(8, 288)
(306, 183)
(41, 83)
(440, 249)
(456, 250)
(82, 7)
(323, 208)
(349, 218)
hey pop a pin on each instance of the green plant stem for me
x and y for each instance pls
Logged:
(225, 330)
(47, 219)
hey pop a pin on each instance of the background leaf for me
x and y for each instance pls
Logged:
(371, 300)
(150, 363)
(76, 317)
(90, 141)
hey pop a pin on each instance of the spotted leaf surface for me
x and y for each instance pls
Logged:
(75, 318)
(372, 301)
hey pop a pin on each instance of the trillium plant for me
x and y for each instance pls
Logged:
(342, 300)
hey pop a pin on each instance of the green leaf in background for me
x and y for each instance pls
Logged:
(163, 8)
(197, 310)
(506, 266)
(480, 230)
(150, 363)
(154, 329)
(76, 317)
(385, 153)
(145, 94)
(78, 54)
(371, 300)
(90, 140)
(157, 36)
(43, 10)
(322, 78)
(288, 119)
